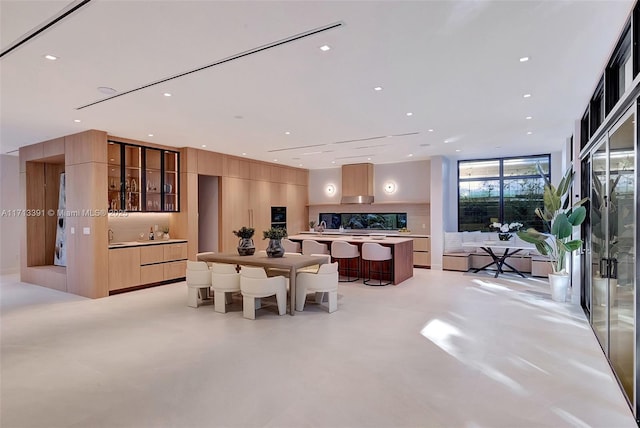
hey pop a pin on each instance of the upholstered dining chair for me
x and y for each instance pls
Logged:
(198, 283)
(254, 285)
(324, 281)
(309, 246)
(291, 246)
(224, 281)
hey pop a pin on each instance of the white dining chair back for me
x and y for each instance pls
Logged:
(291, 246)
(254, 285)
(324, 282)
(198, 278)
(309, 246)
(224, 281)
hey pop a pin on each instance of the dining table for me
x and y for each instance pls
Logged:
(289, 263)
(498, 258)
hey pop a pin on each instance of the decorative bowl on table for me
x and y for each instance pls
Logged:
(378, 237)
(504, 236)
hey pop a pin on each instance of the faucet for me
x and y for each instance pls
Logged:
(110, 234)
(322, 226)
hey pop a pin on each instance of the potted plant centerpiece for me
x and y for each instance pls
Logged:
(245, 244)
(312, 225)
(559, 219)
(504, 230)
(275, 235)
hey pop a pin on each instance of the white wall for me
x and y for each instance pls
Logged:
(410, 179)
(207, 213)
(10, 226)
(319, 180)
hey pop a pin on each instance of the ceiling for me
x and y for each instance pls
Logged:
(455, 65)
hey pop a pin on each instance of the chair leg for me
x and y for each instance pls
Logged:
(301, 295)
(333, 301)
(281, 298)
(249, 307)
(319, 297)
(192, 297)
(219, 301)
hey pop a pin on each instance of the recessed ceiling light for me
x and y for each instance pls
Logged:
(528, 118)
(526, 96)
(204, 145)
(150, 135)
(287, 133)
(430, 130)
(368, 158)
(300, 165)
(377, 88)
(446, 141)
(167, 94)
(458, 150)
(77, 120)
(333, 161)
(106, 90)
(524, 59)
(51, 57)
(275, 160)
(244, 154)
(529, 132)
(325, 48)
(409, 114)
(410, 154)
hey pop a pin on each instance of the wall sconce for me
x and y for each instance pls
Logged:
(390, 187)
(331, 190)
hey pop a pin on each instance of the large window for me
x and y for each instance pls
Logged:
(500, 190)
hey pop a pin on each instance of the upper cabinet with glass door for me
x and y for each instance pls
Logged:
(143, 178)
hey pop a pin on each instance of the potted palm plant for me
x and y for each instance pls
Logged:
(275, 235)
(559, 218)
(245, 244)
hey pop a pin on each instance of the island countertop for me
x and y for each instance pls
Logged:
(401, 267)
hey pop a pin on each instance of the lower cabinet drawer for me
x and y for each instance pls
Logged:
(151, 273)
(175, 270)
(421, 258)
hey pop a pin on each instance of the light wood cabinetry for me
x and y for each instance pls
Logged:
(357, 179)
(422, 251)
(146, 264)
(124, 268)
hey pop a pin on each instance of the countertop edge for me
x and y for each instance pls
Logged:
(130, 244)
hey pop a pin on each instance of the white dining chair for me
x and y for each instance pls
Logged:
(254, 285)
(198, 278)
(324, 281)
(291, 246)
(309, 246)
(224, 281)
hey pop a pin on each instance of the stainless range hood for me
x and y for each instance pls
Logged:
(360, 199)
(357, 183)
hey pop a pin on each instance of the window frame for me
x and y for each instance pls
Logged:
(500, 178)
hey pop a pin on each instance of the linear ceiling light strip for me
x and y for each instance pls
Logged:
(46, 25)
(222, 61)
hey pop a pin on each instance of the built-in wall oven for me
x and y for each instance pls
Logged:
(279, 217)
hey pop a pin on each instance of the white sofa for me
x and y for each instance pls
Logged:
(462, 258)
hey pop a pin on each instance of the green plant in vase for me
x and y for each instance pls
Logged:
(559, 218)
(275, 235)
(246, 246)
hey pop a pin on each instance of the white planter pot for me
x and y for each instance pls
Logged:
(559, 285)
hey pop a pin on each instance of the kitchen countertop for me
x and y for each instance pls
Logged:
(351, 232)
(396, 239)
(129, 244)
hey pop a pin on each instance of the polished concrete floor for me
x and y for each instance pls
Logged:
(443, 349)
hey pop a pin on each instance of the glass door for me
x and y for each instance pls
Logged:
(621, 260)
(612, 248)
(132, 163)
(114, 177)
(170, 183)
(153, 176)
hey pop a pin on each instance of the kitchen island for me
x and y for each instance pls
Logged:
(401, 251)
